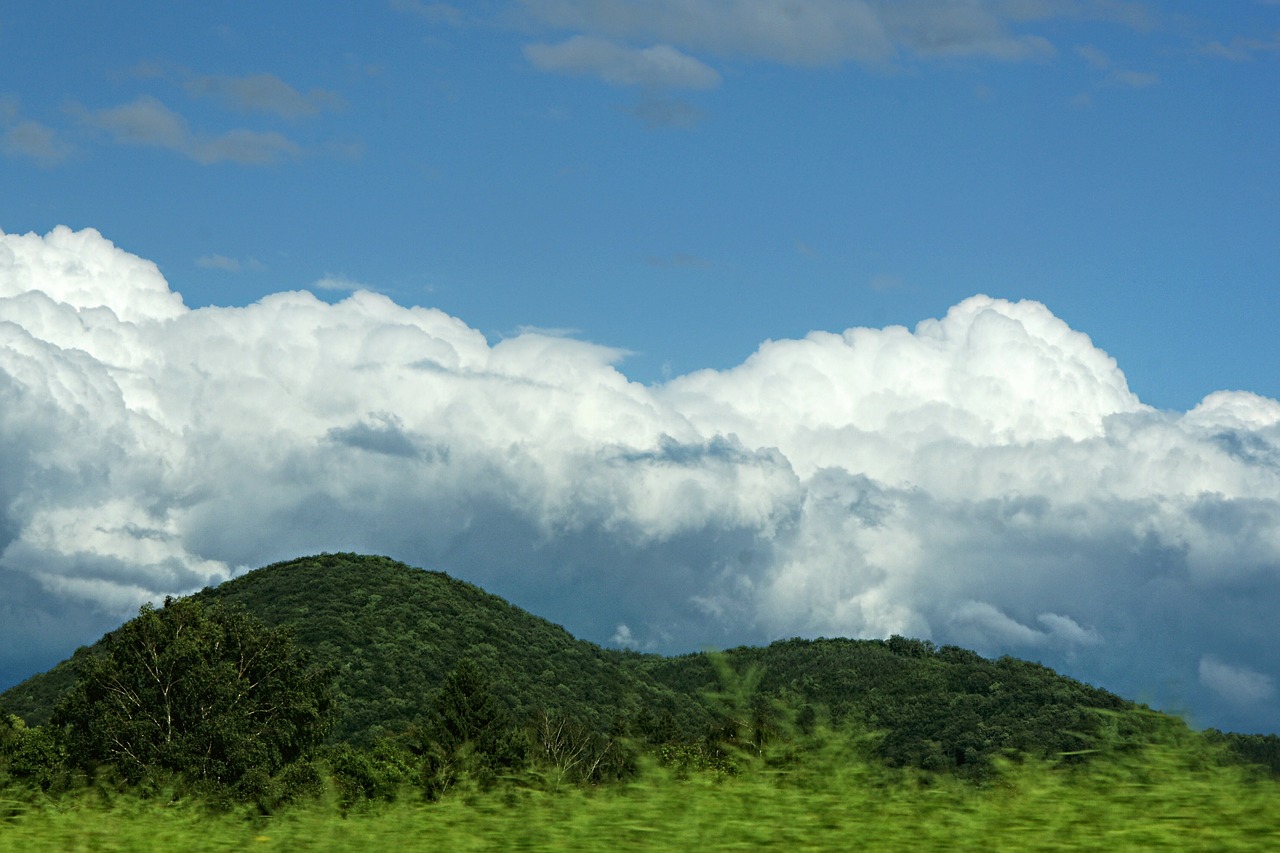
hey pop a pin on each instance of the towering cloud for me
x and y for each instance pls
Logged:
(986, 479)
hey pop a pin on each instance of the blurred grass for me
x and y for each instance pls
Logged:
(1162, 796)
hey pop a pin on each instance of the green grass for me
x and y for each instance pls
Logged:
(1160, 797)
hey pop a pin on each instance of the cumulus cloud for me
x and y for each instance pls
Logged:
(985, 478)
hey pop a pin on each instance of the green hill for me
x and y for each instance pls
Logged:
(393, 633)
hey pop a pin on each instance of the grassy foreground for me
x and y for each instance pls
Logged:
(1154, 798)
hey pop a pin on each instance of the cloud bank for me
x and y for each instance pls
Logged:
(987, 478)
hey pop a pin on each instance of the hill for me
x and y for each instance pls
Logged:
(934, 708)
(393, 633)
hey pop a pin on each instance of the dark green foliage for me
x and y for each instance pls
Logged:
(572, 752)
(467, 712)
(31, 756)
(377, 772)
(33, 700)
(1260, 750)
(470, 735)
(741, 717)
(394, 633)
(207, 692)
(476, 688)
(937, 708)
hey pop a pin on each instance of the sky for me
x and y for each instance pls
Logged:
(682, 323)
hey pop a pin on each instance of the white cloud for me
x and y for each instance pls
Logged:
(340, 282)
(84, 272)
(986, 478)
(822, 32)
(658, 112)
(1099, 61)
(218, 262)
(247, 147)
(1236, 683)
(1096, 58)
(147, 121)
(986, 628)
(660, 66)
(1131, 13)
(143, 121)
(622, 637)
(434, 13)
(1135, 79)
(228, 264)
(931, 29)
(1242, 48)
(35, 140)
(263, 93)
(808, 33)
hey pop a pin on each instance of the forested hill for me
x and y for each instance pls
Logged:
(934, 707)
(393, 633)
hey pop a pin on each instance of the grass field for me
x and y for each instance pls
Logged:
(1157, 798)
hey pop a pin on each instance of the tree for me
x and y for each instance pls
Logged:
(206, 691)
(471, 734)
(576, 753)
(468, 712)
(31, 755)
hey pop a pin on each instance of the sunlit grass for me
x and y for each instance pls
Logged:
(1157, 797)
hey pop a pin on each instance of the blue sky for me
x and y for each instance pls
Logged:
(1112, 160)
(682, 322)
